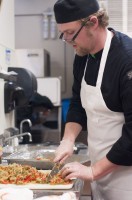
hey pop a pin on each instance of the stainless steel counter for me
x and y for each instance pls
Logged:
(78, 185)
(77, 189)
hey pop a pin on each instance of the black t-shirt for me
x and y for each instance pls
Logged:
(116, 90)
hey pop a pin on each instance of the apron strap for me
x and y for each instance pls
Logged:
(104, 58)
(86, 66)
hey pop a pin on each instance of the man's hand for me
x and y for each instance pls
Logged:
(95, 172)
(77, 170)
(64, 150)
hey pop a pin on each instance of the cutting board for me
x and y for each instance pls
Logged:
(40, 186)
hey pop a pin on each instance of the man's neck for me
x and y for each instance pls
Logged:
(100, 40)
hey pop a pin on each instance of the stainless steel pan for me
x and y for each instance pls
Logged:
(29, 158)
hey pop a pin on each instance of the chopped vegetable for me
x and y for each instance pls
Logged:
(25, 174)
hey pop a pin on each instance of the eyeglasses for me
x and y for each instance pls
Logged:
(61, 37)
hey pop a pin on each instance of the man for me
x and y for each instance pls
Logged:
(103, 89)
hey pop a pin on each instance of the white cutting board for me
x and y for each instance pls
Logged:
(40, 186)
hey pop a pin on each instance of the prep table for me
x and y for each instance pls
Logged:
(78, 185)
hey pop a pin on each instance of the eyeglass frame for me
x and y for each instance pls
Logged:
(76, 34)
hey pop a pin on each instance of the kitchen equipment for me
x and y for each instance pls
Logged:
(26, 80)
(40, 158)
(51, 87)
(39, 186)
(55, 170)
(35, 60)
(13, 94)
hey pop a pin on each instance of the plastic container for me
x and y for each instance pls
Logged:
(65, 107)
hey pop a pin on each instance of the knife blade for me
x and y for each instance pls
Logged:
(55, 170)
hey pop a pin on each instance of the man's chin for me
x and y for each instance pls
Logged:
(81, 53)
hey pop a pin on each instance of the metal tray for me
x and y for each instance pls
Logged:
(29, 158)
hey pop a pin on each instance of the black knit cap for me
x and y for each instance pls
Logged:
(73, 10)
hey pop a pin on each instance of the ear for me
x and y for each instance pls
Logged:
(94, 21)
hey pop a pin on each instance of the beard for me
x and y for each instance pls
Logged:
(82, 51)
(85, 49)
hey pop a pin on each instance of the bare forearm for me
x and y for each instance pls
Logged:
(102, 168)
(71, 131)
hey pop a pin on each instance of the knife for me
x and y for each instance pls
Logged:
(55, 170)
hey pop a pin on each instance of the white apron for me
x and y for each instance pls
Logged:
(104, 129)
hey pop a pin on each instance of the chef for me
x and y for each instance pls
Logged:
(102, 96)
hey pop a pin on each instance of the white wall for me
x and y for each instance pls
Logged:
(6, 43)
